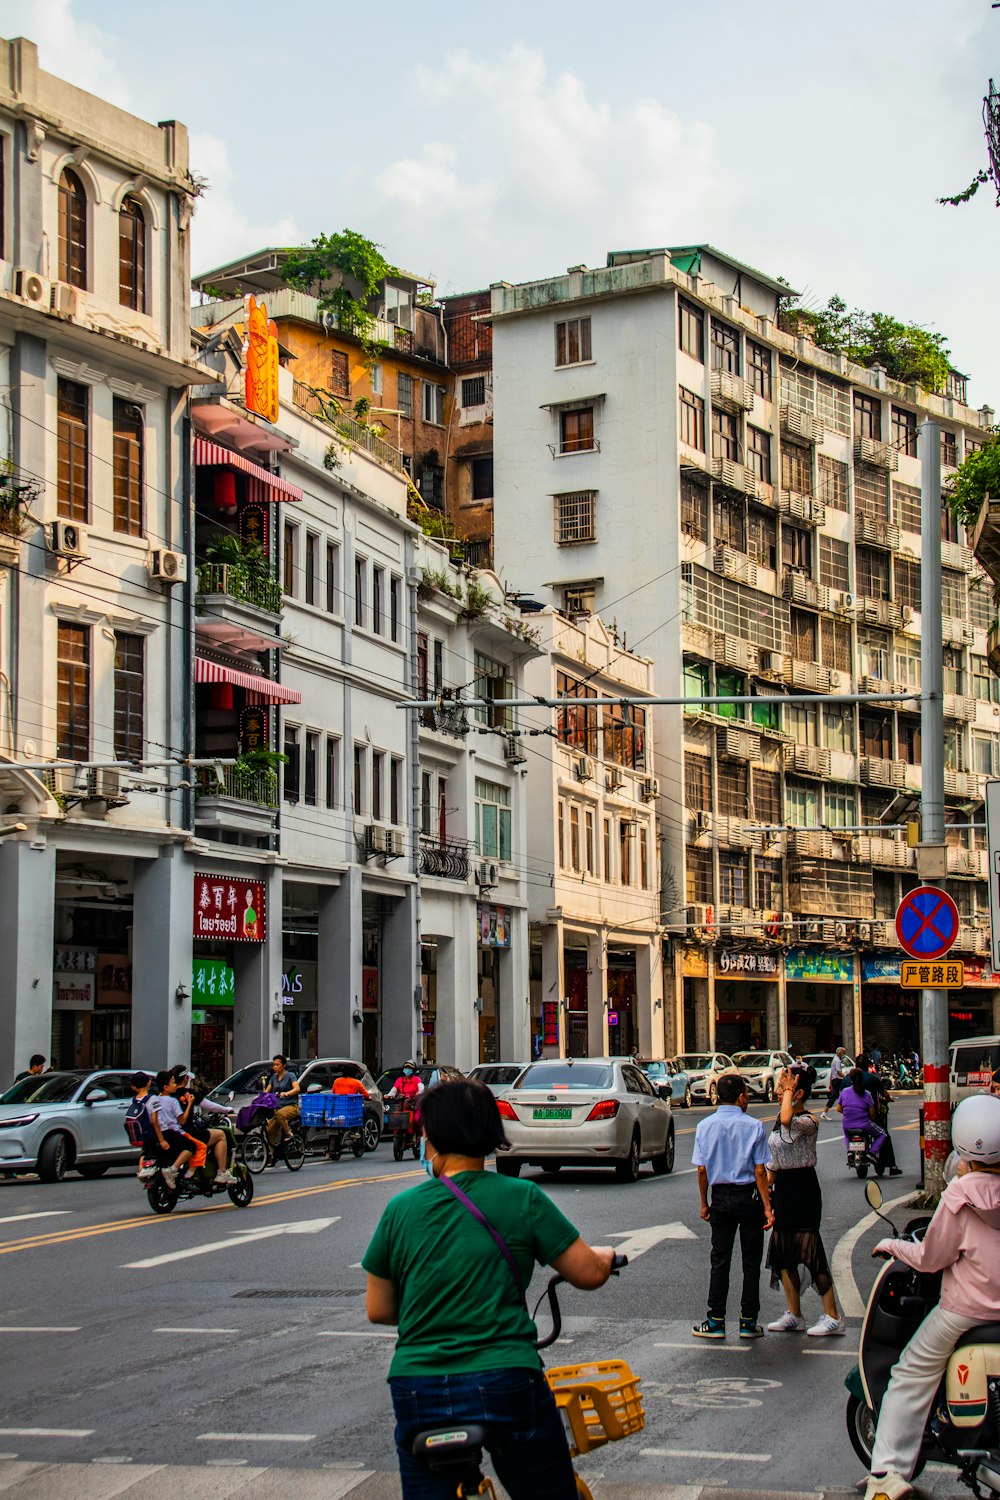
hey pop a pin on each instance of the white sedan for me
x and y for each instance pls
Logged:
(704, 1069)
(585, 1112)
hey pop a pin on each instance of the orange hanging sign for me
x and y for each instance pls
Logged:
(261, 351)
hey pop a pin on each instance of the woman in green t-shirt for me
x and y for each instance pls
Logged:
(466, 1348)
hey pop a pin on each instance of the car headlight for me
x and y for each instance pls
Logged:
(20, 1120)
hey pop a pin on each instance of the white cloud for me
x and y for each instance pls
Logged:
(70, 48)
(220, 230)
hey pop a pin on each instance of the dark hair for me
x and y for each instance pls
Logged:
(139, 1080)
(864, 1061)
(280, 1057)
(857, 1081)
(36, 1058)
(805, 1079)
(461, 1118)
(163, 1077)
(731, 1087)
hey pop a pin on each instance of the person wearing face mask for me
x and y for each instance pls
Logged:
(466, 1342)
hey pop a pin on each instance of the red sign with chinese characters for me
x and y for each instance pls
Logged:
(227, 906)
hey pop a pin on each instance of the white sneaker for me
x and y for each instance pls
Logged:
(787, 1323)
(888, 1486)
(170, 1176)
(826, 1328)
(226, 1177)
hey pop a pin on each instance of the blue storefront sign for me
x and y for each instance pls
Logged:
(880, 968)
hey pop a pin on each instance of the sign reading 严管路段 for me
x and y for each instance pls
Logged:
(949, 974)
(926, 923)
(213, 982)
(227, 906)
(816, 963)
(747, 965)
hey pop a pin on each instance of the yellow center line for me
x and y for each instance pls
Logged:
(64, 1237)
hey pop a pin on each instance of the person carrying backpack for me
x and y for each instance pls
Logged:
(138, 1125)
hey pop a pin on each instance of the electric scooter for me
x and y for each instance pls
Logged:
(163, 1198)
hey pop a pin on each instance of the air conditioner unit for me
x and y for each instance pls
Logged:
(68, 539)
(106, 784)
(372, 839)
(704, 822)
(32, 288)
(865, 931)
(584, 768)
(787, 924)
(848, 601)
(813, 929)
(487, 874)
(168, 567)
(834, 680)
(393, 842)
(66, 299)
(513, 751)
(616, 779)
(650, 789)
(905, 613)
(840, 929)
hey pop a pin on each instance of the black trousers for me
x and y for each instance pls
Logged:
(736, 1209)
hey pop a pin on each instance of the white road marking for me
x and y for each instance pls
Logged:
(196, 1330)
(256, 1437)
(350, 1333)
(237, 1238)
(54, 1432)
(10, 1328)
(833, 1353)
(750, 1458)
(636, 1242)
(851, 1303)
(45, 1213)
(716, 1343)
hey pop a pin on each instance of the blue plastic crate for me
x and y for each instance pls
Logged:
(314, 1108)
(335, 1111)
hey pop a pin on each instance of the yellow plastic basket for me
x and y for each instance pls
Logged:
(599, 1402)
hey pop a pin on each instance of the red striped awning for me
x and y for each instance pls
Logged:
(260, 688)
(209, 453)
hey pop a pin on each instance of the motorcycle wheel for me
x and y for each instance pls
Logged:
(295, 1152)
(397, 1146)
(862, 1171)
(879, 1168)
(241, 1193)
(415, 1150)
(161, 1199)
(358, 1145)
(861, 1428)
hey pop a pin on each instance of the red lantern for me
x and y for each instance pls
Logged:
(224, 492)
(222, 695)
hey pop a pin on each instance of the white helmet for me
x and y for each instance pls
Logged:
(975, 1129)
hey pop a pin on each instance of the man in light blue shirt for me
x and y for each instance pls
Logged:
(730, 1152)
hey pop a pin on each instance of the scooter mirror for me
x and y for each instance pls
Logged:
(874, 1195)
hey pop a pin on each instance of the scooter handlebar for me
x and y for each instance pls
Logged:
(618, 1263)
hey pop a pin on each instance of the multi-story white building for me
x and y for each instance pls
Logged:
(595, 902)
(746, 506)
(94, 643)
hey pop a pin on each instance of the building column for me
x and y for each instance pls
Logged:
(162, 939)
(777, 1014)
(258, 967)
(27, 899)
(649, 997)
(453, 1032)
(554, 982)
(597, 995)
(512, 1001)
(673, 1007)
(338, 971)
(704, 1012)
(400, 979)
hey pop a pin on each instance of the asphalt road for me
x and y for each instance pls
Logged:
(222, 1336)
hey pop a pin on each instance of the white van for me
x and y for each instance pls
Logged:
(973, 1063)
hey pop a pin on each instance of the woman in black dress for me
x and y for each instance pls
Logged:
(797, 1203)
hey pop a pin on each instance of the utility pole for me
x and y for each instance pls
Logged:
(934, 1003)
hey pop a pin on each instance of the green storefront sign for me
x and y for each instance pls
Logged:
(214, 983)
(816, 963)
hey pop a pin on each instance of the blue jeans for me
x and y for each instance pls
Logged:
(525, 1441)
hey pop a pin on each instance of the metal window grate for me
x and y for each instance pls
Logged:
(576, 517)
(474, 391)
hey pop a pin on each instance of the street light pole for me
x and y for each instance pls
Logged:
(934, 1003)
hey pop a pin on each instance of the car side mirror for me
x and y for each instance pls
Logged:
(874, 1195)
(94, 1096)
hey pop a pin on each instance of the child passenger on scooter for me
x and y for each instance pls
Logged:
(963, 1241)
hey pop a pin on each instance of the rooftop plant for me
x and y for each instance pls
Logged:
(907, 352)
(344, 272)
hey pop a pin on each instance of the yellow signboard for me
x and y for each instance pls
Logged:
(261, 361)
(946, 974)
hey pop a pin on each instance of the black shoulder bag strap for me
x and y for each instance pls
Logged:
(498, 1238)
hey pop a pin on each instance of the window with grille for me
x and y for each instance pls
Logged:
(72, 230)
(803, 723)
(691, 331)
(572, 342)
(872, 573)
(490, 683)
(833, 489)
(733, 608)
(873, 807)
(835, 644)
(474, 391)
(129, 679)
(952, 594)
(796, 550)
(127, 467)
(576, 430)
(974, 445)
(796, 469)
(801, 804)
(954, 749)
(871, 492)
(876, 735)
(729, 521)
(952, 670)
(875, 653)
(838, 728)
(132, 255)
(838, 807)
(833, 405)
(759, 453)
(982, 611)
(404, 394)
(725, 435)
(904, 431)
(692, 420)
(762, 539)
(72, 441)
(766, 797)
(694, 508)
(431, 484)
(759, 368)
(834, 563)
(802, 635)
(907, 502)
(698, 876)
(725, 348)
(73, 692)
(734, 879)
(340, 373)
(907, 583)
(908, 666)
(576, 517)
(767, 884)
(798, 387)
(949, 449)
(734, 791)
(697, 783)
(867, 416)
(580, 599)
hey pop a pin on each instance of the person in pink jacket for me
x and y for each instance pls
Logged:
(962, 1241)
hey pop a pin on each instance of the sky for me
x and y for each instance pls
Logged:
(477, 142)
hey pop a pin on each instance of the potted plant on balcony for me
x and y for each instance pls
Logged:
(249, 576)
(255, 776)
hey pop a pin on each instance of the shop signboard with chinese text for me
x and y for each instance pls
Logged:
(818, 964)
(213, 982)
(737, 965)
(253, 728)
(369, 989)
(231, 907)
(948, 975)
(261, 349)
(550, 1023)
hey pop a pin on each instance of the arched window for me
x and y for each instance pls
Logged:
(132, 255)
(72, 230)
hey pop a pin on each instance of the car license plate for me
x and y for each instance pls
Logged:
(552, 1114)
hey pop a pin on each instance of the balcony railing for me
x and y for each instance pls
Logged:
(799, 423)
(348, 428)
(447, 861)
(238, 581)
(257, 787)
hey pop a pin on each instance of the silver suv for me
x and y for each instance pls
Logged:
(73, 1121)
(315, 1075)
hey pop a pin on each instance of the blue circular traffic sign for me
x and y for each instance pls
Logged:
(926, 922)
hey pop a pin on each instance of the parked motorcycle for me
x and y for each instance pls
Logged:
(963, 1428)
(163, 1198)
(860, 1155)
